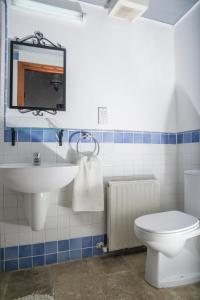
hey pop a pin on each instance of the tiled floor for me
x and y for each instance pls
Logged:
(103, 278)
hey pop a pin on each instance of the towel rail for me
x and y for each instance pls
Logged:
(86, 135)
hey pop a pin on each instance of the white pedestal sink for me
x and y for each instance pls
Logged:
(36, 182)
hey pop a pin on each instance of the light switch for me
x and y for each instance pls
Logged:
(102, 115)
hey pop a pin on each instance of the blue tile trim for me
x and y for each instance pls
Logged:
(104, 136)
(7, 136)
(172, 139)
(24, 135)
(137, 138)
(118, 137)
(25, 263)
(28, 256)
(180, 138)
(75, 254)
(187, 137)
(63, 245)
(2, 254)
(25, 251)
(156, 138)
(98, 135)
(73, 136)
(37, 136)
(195, 136)
(11, 252)
(75, 243)
(128, 137)
(51, 247)
(51, 259)
(108, 136)
(38, 249)
(50, 135)
(146, 138)
(87, 242)
(63, 256)
(38, 261)
(87, 252)
(11, 265)
(164, 138)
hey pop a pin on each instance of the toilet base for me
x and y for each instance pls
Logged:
(163, 272)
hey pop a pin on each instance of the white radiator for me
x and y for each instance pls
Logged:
(127, 200)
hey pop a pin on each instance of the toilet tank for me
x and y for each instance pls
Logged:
(192, 192)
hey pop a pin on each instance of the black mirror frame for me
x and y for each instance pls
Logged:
(42, 46)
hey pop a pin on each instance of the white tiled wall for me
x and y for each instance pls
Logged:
(62, 223)
(188, 158)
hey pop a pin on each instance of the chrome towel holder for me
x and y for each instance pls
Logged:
(83, 136)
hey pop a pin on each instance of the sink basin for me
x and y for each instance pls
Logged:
(35, 183)
(27, 178)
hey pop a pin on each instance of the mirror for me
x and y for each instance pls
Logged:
(37, 77)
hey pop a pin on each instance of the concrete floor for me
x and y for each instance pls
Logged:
(102, 278)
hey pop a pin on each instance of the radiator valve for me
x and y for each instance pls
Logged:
(102, 246)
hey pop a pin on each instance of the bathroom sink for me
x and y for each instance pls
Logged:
(27, 178)
(35, 184)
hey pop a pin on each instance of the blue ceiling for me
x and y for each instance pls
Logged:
(165, 11)
(168, 11)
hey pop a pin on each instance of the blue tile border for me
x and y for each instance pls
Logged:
(24, 135)
(11, 252)
(25, 251)
(33, 255)
(187, 137)
(38, 249)
(51, 247)
(87, 242)
(195, 136)
(75, 243)
(63, 245)
(44, 135)
(25, 263)
(63, 256)
(38, 260)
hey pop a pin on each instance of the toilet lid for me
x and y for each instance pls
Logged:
(167, 222)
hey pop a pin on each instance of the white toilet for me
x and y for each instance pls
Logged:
(173, 240)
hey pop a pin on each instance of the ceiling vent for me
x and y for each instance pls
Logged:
(127, 9)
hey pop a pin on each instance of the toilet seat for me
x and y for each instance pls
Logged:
(167, 223)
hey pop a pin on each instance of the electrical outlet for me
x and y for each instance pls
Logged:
(102, 115)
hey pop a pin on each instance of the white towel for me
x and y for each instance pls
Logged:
(88, 192)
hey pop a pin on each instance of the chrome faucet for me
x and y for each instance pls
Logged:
(36, 159)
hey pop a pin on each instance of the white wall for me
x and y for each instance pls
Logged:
(187, 57)
(128, 67)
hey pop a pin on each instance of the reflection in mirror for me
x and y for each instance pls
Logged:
(37, 77)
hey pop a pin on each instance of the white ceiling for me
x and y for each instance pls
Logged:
(166, 11)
